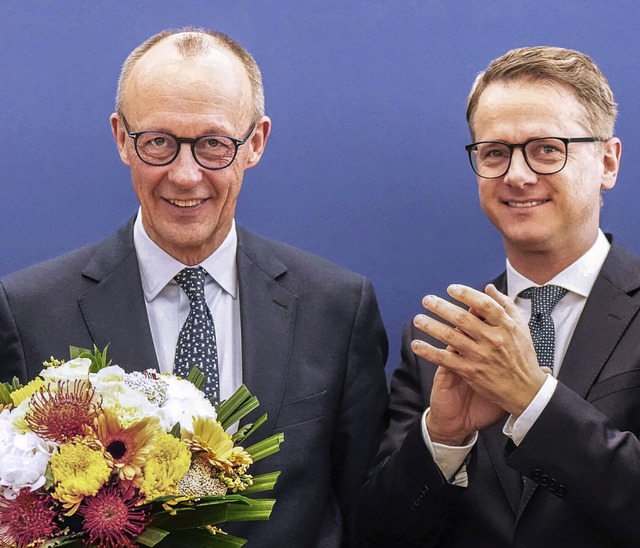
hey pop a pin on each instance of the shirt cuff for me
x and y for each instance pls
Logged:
(517, 429)
(450, 459)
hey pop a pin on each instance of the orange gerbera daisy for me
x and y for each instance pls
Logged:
(128, 448)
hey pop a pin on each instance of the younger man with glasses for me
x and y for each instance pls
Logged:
(516, 410)
(305, 336)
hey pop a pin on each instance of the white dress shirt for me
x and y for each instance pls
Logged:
(578, 278)
(168, 305)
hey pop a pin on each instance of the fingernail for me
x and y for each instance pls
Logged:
(420, 319)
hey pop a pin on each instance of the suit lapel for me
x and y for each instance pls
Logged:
(115, 314)
(267, 311)
(605, 317)
(114, 309)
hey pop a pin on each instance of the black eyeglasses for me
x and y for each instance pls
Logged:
(158, 148)
(544, 155)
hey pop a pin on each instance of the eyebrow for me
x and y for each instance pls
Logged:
(161, 129)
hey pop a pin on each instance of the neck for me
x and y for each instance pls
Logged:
(540, 266)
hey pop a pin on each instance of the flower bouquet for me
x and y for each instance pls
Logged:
(93, 456)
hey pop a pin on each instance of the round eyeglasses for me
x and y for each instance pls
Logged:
(158, 148)
(543, 155)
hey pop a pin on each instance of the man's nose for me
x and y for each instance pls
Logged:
(519, 173)
(184, 170)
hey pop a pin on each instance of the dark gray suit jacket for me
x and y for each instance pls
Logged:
(313, 352)
(582, 455)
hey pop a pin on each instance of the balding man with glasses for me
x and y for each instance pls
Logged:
(305, 336)
(516, 411)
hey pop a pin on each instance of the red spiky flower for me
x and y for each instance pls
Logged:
(28, 518)
(114, 517)
(63, 414)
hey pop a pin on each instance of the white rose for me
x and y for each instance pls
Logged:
(184, 402)
(129, 404)
(107, 378)
(71, 370)
(23, 459)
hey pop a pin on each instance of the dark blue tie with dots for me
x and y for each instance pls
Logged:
(543, 301)
(197, 340)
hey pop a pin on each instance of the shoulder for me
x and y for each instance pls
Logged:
(620, 270)
(619, 257)
(53, 274)
(285, 261)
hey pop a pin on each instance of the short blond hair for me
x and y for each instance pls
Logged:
(194, 43)
(563, 67)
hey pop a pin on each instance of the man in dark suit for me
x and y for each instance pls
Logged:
(305, 336)
(516, 410)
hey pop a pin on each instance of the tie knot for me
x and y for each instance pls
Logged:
(544, 298)
(191, 280)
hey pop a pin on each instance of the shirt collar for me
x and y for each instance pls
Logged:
(578, 277)
(157, 267)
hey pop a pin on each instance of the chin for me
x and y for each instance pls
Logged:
(528, 243)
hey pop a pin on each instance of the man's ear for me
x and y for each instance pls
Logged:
(258, 141)
(121, 136)
(610, 163)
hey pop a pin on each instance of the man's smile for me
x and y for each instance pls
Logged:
(530, 203)
(186, 203)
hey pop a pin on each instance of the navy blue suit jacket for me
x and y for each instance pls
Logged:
(313, 352)
(582, 455)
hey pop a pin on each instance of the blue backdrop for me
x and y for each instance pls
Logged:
(366, 163)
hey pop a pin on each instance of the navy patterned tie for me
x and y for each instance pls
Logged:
(543, 300)
(197, 340)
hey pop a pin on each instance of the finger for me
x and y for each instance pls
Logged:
(504, 301)
(443, 358)
(451, 349)
(476, 313)
(463, 319)
(485, 306)
(445, 378)
(454, 339)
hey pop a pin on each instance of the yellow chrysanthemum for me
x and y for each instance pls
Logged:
(128, 448)
(17, 396)
(79, 470)
(167, 463)
(213, 443)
